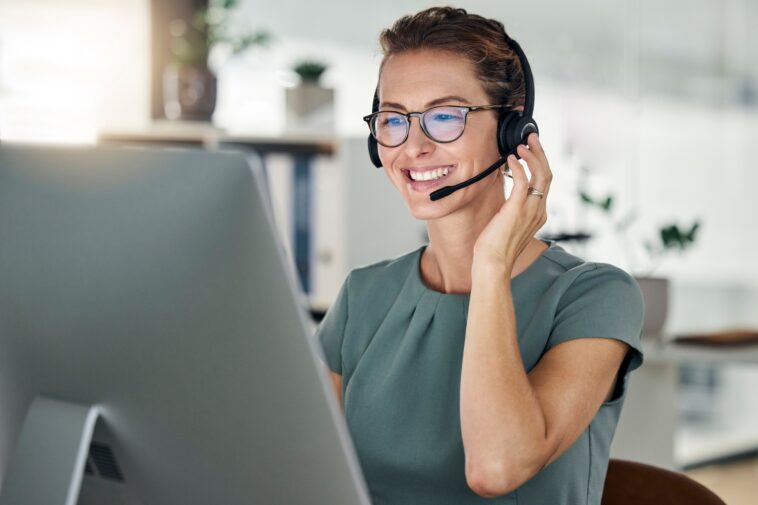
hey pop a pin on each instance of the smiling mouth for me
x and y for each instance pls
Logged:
(407, 174)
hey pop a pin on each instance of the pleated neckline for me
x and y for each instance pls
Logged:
(416, 263)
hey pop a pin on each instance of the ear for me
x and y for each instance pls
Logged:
(519, 108)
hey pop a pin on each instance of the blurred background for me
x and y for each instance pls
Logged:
(648, 112)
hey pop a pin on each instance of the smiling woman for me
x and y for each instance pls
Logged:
(487, 366)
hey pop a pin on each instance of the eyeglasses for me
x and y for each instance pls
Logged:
(443, 123)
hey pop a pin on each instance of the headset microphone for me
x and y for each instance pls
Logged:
(447, 190)
(513, 128)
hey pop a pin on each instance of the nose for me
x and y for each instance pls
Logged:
(417, 141)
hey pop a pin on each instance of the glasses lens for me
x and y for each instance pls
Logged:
(445, 124)
(389, 128)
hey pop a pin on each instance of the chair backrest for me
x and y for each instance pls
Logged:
(629, 482)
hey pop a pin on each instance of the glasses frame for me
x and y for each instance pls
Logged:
(421, 115)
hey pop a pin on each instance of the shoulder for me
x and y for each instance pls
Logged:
(573, 275)
(596, 299)
(374, 288)
(598, 279)
(385, 273)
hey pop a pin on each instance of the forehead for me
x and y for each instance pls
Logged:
(415, 78)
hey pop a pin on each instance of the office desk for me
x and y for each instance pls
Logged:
(663, 350)
(650, 430)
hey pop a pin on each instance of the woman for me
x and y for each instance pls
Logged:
(488, 366)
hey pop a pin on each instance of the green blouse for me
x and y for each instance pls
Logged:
(399, 348)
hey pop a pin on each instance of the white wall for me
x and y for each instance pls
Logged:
(70, 68)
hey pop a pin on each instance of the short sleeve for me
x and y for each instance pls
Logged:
(605, 302)
(330, 332)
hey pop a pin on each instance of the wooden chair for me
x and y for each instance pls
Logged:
(628, 482)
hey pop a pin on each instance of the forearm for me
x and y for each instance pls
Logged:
(502, 423)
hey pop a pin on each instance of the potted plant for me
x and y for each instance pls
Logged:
(310, 106)
(189, 86)
(669, 238)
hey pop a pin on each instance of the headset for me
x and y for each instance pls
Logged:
(513, 128)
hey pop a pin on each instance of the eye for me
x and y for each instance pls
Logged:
(443, 117)
(446, 115)
(391, 121)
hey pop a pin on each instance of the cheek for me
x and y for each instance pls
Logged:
(484, 142)
(386, 156)
(471, 152)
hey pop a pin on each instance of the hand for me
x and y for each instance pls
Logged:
(522, 215)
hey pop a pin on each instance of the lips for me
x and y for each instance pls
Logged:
(407, 170)
(424, 186)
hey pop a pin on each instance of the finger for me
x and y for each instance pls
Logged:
(535, 146)
(534, 214)
(539, 181)
(539, 177)
(506, 170)
(536, 204)
(533, 141)
(542, 182)
(520, 180)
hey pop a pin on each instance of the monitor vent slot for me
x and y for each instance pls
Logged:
(102, 459)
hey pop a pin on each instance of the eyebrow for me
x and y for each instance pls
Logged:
(434, 102)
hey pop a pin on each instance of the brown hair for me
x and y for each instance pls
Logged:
(481, 40)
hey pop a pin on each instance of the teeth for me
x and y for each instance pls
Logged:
(429, 175)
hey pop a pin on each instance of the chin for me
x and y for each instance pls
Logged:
(422, 208)
(426, 214)
(429, 210)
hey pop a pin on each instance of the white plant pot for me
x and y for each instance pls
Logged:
(655, 294)
(310, 108)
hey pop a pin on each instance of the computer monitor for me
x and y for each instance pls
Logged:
(154, 345)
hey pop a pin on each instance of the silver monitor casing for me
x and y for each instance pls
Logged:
(146, 306)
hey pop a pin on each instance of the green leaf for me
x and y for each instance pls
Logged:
(309, 70)
(604, 205)
(691, 234)
(673, 237)
(607, 204)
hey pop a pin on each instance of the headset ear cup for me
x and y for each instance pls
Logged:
(373, 146)
(524, 126)
(510, 135)
(373, 151)
(505, 126)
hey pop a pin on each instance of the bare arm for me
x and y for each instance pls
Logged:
(337, 383)
(514, 424)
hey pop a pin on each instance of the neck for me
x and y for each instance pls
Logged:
(447, 260)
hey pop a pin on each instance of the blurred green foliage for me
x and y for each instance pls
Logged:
(670, 237)
(211, 26)
(309, 70)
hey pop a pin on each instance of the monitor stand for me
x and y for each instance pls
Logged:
(47, 464)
